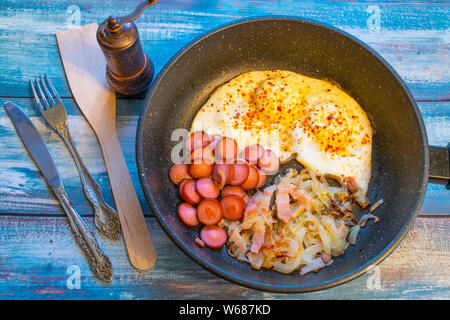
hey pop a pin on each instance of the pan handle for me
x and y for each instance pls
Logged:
(440, 165)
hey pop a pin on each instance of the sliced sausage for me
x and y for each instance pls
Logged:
(178, 172)
(222, 173)
(213, 236)
(202, 155)
(200, 170)
(241, 171)
(189, 193)
(231, 175)
(207, 188)
(226, 150)
(235, 190)
(233, 207)
(269, 162)
(187, 214)
(252, 153)
(252, 179)
(209, 212)
(180, 186)
(262, 179)
(197, 139)
(214, 139)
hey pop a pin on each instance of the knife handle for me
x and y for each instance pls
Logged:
(99, 262)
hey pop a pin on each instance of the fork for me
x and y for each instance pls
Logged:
(55, 114)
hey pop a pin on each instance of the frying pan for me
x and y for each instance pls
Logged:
(401, 155)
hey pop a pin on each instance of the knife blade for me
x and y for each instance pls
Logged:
(36, 147)
(34, 144)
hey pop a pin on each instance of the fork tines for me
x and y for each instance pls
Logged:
(47, 93)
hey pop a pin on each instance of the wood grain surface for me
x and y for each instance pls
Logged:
(38, 256)
(410, 35)
(418, 268)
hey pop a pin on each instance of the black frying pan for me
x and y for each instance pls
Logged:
(401, 155)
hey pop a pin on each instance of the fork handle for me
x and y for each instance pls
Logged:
(99, 262)
(106, 218)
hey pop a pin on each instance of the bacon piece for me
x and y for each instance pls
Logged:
(352, 186)
(298, 195)
(268, 243)
(267, 196)
(264, 205)
(284, 187)
(284, 212)
(252, 206)
(258, 236)
(199, 242)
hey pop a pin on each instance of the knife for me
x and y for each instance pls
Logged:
(36, 147)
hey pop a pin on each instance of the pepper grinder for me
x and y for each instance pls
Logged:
(129, 70)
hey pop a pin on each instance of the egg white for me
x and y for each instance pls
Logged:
(312, 120)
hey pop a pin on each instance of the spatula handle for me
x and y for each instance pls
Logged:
(135, 231)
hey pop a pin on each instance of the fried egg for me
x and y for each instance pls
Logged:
(297, 117)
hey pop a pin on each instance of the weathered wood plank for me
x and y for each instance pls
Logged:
(415, 43)
(36, 254)
(22, 190)
(19, 176)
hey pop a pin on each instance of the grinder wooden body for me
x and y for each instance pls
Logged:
(129, 70)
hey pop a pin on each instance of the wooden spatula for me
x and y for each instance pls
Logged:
(85, 68)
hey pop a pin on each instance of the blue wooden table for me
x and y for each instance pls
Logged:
(38, 255)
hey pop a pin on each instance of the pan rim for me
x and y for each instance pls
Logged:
(259, 285)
